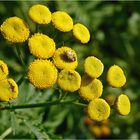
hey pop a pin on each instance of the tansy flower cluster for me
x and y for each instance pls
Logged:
(57, 65)
(54, 65)
(8, 87)
(91, 89)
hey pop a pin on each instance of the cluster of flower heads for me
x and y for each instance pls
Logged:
(58, 65)
(91, 89)
(8, 87)
(54, 65)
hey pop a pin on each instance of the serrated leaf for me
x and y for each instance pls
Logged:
(14, 123)
(36, 131)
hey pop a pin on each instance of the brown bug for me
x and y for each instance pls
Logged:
(12, 87)
(69, 56)
(1, 67)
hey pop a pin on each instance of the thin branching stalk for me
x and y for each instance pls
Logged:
(57, 102)
(20, 55)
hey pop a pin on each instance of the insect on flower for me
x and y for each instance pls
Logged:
(70, 56)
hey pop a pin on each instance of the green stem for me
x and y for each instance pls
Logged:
(20, 55)
(79, 104)
(37, 28)
(57, 102)
(63, 96)
(28, 105)
(6, 133)
(22, 78)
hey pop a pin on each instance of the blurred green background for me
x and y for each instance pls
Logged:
(115, 39)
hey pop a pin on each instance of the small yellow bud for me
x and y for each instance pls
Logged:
(69, 80)
(90, 88)
(81, 33)
(40, 14)
(62, 21)
(93, 66)
(98, 110)
(122, 104)
(115, 76)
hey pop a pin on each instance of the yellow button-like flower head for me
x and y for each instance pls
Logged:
(62, 21)
(96, 131)
(93, 66)
(40, 14)
(90, 88)
(42, 73)
(41, 46)
(65, 58)
(69, 80)
(3, 70)
(122, 104)
(15, 30)
(106, 131)
(115, 76)
(98, 110)
(81, 33)
(8, 90)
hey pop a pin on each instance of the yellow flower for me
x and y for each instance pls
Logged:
(69, 80)
(115, 76)
(3, 70)
(81, 33)
(96, 131)
(122, 104)
(93, 66)
(42, 74)
(105, 130)
(98, 110)
(90, 88)
(62, 21)
(40, 14)
(8, 89)
(15, 30)
(41, 46)
(65, 58)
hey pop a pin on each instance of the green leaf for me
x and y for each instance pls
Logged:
(14, 123)
(36, 131)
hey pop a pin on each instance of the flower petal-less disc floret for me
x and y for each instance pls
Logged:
(122, 104)
(3, 70)
(15, 30)
(42, 74)
(116, 77)
(96, 131)
(8, 90)
(90, 88)
(40, 14)
(69, 80)
(81, 33)
(106, 131)
(98, 109)
(41, 46)
(65, 58)
(62, 21)
(93, 66)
